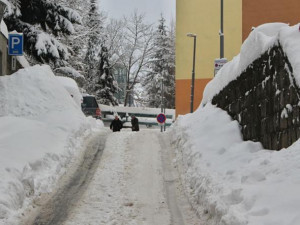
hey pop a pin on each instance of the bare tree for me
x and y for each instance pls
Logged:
(136, 50)
(115, 33)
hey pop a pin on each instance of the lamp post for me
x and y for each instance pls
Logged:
(222, 33)
(193, 71)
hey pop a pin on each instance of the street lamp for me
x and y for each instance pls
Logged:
(193, 72)
(221, 33)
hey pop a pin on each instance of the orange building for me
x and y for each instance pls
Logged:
(257, 12)
(202, 17)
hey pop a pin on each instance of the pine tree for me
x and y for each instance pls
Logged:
(42, 23)
(100, 80)
(105, 87)
(162, 68)
(169, 91)
(77, 42)
(95, 37)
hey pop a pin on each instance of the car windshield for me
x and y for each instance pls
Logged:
(90, 102)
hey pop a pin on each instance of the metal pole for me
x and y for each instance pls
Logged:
(162, 99)
(222, 33)
(193, 76)
(164, 104)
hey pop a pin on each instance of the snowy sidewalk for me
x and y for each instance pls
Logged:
(128, 185)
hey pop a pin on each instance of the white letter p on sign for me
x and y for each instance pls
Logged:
(15, 41)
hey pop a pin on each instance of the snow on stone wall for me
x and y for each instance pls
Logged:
(260, 86)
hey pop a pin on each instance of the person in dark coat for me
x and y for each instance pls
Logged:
(134, 123)
(116, 124)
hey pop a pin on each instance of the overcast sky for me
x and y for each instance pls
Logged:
(152, 8)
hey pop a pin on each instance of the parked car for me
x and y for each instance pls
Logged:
(90, 106)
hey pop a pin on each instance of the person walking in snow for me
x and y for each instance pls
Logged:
(116, 124)
(134, 123)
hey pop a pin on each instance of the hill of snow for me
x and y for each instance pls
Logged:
(231, 181)
(259, 41)
(42, 129)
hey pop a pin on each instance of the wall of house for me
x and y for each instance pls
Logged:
(5, 59)
(202, 17)
(257, 12)
(3, 55)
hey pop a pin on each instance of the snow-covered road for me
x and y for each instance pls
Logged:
(135, 183)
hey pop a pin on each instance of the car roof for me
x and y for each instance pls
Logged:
(87, 95)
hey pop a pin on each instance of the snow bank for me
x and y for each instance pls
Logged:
(237, 182)
(289, 39)
(71, 86)
(258, 42)
(234, 181)
(42, 129)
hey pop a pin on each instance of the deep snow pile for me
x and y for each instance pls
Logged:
(232, 181)
(42, 128)
(259, 41)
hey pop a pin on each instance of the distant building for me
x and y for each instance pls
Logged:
(120, 77)
(202, 17)
(5, 59)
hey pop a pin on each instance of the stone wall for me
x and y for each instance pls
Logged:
(264, 99)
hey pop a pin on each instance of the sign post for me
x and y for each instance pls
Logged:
(15, 48)
(219, 63)
(161, 119)
(15, 44)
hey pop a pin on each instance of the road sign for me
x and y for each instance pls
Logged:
(161, 118)
(219, 63)
(15, 44)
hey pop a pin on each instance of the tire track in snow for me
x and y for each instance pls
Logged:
(170, 179)
(56, 210)
(128, 187)
(180, 209)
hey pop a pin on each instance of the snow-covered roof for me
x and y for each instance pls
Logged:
(4, 29)
(259, 41)
(86, 94)
(4, 1)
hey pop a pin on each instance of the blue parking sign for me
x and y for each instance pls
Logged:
(15, 44)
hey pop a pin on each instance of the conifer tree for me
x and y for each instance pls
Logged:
(42, 23)
(105, 86)
(78, 41)
(100, 80)
(162, 69)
